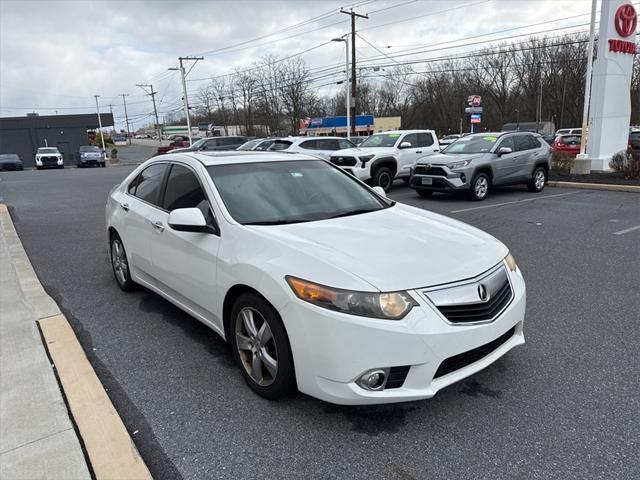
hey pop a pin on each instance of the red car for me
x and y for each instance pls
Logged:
(178, 143)
(567, 144)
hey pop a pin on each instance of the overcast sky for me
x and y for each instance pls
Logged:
(55, 55)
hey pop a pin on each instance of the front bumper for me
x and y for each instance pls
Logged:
(445, 181)
(49, 162)
(332, 350)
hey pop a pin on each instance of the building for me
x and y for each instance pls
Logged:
(543, 128)
(23, 135)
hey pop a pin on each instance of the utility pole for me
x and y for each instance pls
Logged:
(155, 110)
(184, 74)
(353, 66)
(126, 116)
(224, 116)
(346, 82)
(104, 149)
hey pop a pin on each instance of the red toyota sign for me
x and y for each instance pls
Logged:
(626, 20)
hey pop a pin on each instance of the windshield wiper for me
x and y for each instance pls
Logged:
(355, 212)
(280, 221)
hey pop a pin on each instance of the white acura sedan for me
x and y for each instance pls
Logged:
(315, 279)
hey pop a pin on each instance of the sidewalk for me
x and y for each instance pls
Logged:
(37, 438)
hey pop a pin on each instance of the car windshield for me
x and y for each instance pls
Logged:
(472, 144)
(275, 193)
(48, 150)
(89, 148)
(250, 145)
(381, 140)
(198, 144)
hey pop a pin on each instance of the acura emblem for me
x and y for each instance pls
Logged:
(483, 293)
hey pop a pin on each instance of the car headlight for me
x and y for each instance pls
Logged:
(464, 163)
(511, 262)
(366, 158)
(389, 306)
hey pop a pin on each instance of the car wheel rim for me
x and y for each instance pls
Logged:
(119, 261)
(481, 187)
(256, 346)
(384, 180)
(539, 179)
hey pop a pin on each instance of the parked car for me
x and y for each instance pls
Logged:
(89, 155)
(317, 281)
(634, 141)
(213, 143)
(257, 144)
(10, 161)
(383, 157)
(48, 157)
(569, 131)
(549, 138)
(476, 163)
(449, 139)
(174, 144)
(567, 144)
(357, 140)
(319, 147)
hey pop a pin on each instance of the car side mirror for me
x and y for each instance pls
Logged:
(504, 151)
(187, 220)
(380, 191)
(405, 145)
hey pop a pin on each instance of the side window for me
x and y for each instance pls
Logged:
(309, 145)
(328, 144)
(227, 141)
(184, 191)
(344, 143)
(148, 183)
(412, 138)
(534, 142)
(522, 142)
(507, 142)
(209, 144)
(425, 140)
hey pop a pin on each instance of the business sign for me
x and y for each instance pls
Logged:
(474, 100)
(473, 110)
(610, 105)
(476, 118)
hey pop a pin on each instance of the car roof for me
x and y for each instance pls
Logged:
(235, 156)
(419, 130)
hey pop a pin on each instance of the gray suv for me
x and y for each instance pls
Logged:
(475, 163)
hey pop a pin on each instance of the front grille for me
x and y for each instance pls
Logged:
(397, 376)
(49, 159)
(462, 360)
(477, 312)
(344, 161)
(423, 170)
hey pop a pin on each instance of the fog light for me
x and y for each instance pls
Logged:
(463, 177)
(373, 380)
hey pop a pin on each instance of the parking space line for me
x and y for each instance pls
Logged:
(514, 202)
(627, 230)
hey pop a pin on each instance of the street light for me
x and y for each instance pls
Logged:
(104, 149)
(346, 72)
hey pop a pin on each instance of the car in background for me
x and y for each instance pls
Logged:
(10, 161)
(474, 164)
(257, 145)
(569, 144)
(319, 147)
(634, 141)
(179, 142)
(449, 139)
(90, 155)
(214, 144)
(357, 140)
(385, 156)
(48, 157)
(549, 137)
(569, 131)
(317, 281)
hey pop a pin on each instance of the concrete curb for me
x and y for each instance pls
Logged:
(596, 186)
(111, 451)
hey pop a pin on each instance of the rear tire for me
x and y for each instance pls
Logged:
(261, 346)
(424, 193)
(383, 177)
(480, 186)
(538, 180)
(120, 264)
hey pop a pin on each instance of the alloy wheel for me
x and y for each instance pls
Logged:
(539, 180)
(256, 346)
(119, 261)
(481, 187)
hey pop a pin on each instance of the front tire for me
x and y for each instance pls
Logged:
(383, 177)
(480, 186)
(261, 347)
(538, 180)
(120, 264)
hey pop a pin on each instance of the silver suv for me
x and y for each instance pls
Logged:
(476, 163)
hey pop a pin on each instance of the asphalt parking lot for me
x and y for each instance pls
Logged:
(565, 405)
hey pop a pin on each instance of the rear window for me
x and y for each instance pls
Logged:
(280, 145)
(89, 148)
(570, 140)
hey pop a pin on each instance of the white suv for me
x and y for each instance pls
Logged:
(49, 157)
(319, 147)
(385, 156)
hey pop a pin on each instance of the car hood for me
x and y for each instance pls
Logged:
(398, 248)
(444, 159)
(359, 152)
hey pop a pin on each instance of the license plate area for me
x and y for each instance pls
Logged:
(427, 181)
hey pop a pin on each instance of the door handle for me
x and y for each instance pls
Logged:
(158, 226)
(418, 151)
(124, 206)
(437, 150)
